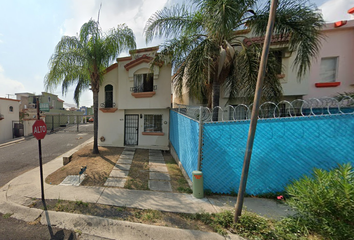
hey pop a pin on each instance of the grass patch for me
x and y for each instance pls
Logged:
(7, 215)
(138, 176)
(250, 225)
(178, 182)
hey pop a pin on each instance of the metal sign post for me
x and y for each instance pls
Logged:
(39, 130)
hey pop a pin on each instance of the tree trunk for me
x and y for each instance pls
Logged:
(95, 121)
(215, 98)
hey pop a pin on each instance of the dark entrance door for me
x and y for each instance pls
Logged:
(131, 129)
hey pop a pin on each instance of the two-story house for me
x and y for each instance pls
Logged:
(332, 72)
(135, 99)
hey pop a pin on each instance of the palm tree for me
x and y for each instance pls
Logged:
(207, 54)
(83, 59)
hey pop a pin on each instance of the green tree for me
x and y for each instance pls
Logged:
(82, 61)
(206, 52)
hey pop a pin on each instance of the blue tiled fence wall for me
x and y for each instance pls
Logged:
(284, 149)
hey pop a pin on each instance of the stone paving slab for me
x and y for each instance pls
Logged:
(124, 161)
(126, 156)
(159, 176)
(115, 182)
(158, 168)
(157, 185)
(118, 173)
(157, 161)
(124, 167)
(128, 152)
(73, 180)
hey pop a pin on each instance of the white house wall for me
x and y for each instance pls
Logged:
(6, 123)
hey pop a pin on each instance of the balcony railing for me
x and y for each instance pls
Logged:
(140, 88)
(108, 105)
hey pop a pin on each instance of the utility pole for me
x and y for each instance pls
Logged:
(254, 116)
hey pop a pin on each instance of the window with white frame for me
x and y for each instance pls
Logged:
(144, 82)
(328, 69)
(152, 123)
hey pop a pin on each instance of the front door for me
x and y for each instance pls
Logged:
(131, 129)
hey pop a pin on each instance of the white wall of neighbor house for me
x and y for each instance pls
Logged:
(9, 109)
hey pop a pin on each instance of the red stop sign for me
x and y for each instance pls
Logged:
(39, 129)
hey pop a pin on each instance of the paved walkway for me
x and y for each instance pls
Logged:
(18, 194)
(159, 179)
(120, 171)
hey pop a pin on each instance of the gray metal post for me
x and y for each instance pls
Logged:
(254, 116)
(200, 139)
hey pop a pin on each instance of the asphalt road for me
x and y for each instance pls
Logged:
(20, 157)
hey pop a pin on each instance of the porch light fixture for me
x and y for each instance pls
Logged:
(141, 115)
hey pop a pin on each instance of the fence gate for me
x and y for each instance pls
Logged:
(17, 129)
(131, 129)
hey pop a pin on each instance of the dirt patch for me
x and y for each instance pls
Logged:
(146, 216)
(98, 166)
(138, 176)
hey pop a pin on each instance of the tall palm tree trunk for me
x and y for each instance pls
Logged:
(95, 122)
(215, 98)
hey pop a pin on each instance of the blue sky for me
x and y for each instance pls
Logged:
(30, 29)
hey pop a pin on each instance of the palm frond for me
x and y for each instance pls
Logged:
(298, 21)
(171, 22)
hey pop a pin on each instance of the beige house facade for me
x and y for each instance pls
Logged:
(9, 115)
(135, 99)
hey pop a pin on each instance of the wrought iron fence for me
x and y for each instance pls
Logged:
(296, 108)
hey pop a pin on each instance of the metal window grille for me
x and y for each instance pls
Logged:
(152, 123)
(108, 96)
(144, 82)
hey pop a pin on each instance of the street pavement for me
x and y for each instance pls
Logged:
(18, 193)
(21, 155)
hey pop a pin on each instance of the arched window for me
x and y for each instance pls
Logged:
(108, 89)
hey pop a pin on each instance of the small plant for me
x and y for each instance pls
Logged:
(184, 190)
(151, 215)
(233, 192)
(208, 192)
(81, 203)
(7, 215)
(326, 201)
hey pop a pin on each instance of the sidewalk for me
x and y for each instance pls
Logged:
(19, 192)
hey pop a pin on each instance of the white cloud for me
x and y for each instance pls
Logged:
(9, 86)
(336, 10)
(133, 13)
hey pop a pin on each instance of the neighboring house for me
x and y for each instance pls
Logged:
(333, 71)
(50, 105)
(135, 102)
(9, 117)
(292, 87)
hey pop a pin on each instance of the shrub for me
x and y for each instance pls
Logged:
(326, 199)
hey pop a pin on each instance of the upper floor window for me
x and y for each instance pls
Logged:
(144, 82)
(328, 69)
(11, 108)
(279, 60)
(108, 89)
